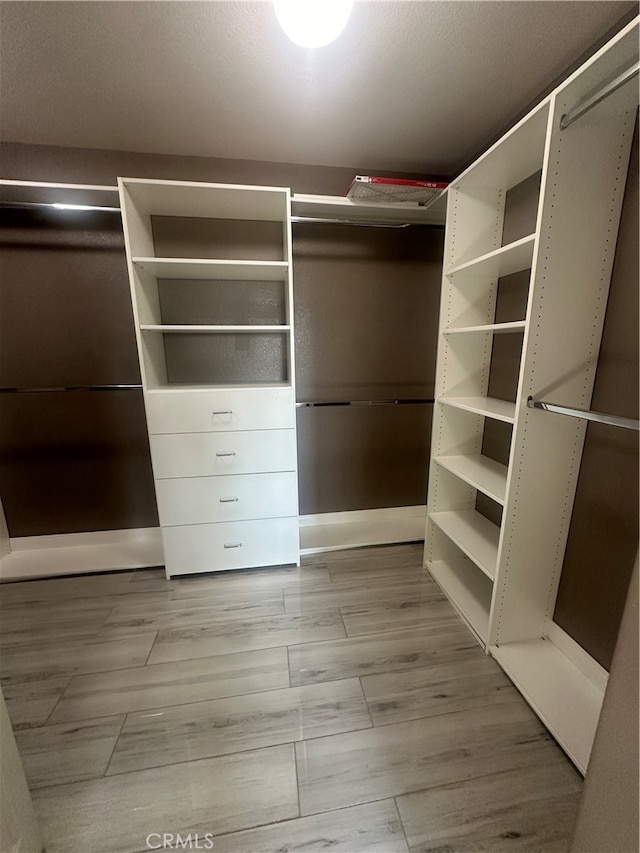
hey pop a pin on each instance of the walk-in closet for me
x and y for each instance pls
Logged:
(319, 494)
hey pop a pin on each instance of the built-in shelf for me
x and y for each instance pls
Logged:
(336, 207)
(490, 407)
(493, 329)
(506, 260)
(564, 697)
(468, 589)
(519, 154)
(180, 388)
(191, 328)
(474, 534)
(222, 270)
(484, 474)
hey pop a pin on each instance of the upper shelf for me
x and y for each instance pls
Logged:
(336, 207)
(506, 260)
(210, 201)
(513, 158)
(43, 192)
(197, 268)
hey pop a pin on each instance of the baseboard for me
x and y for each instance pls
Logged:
(81, 553)
(335, 531)
(120, 550)
(577, 655)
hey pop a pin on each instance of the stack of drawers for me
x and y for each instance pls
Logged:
(225, 472)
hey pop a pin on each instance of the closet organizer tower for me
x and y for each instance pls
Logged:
(503, 577)
(210, 273)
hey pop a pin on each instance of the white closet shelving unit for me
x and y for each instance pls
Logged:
(503, 578)
(334, 207)
(223, 449)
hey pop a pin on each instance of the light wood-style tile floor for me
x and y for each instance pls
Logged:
(340, 706)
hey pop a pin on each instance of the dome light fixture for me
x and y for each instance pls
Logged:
(313, 23)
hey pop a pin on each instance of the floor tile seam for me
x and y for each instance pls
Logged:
(366, 702)
(115, 744)
(401, 822)
(57, 702)
(543, 730)
(480, 775)
(198, 701)
(182, 763)
(431, 716)
(463, 779)
(154, 641)
(335, 611)
(66, 674)
(386, 631)
(98, 719)
(472, 643)
(344, 807)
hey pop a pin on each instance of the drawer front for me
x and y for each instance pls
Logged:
(220, 410)
(230, 545)
(206, 454)
(197, 500)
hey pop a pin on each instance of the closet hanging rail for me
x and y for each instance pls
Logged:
(57, 390)
(360, 223)
(568, 118)
(597, 417)
(319, 404)
(41, 205)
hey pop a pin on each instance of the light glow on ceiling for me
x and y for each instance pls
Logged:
(313, 23)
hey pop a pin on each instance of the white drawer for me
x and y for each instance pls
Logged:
(230, 545)
(205, 454)
(197, 500)
(220, 410)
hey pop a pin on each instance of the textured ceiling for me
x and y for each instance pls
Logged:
(409, 86)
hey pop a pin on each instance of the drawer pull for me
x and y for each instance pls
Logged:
(229, 500)
(225, 412)
(233, 453)
(233, 544)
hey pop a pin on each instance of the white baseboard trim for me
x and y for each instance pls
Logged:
(336, 531)
(578, 656)
(120, 550)
(81, 553)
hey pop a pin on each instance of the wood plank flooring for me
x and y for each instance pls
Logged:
(343, 705)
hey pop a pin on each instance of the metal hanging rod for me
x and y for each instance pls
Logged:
(57, 390)
(41, 205)
(597, 417)
(359, 223)
(574, 114)
(362, 403)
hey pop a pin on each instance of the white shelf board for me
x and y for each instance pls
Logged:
(474, 534)
(565, 699)
(514, 157)
(490, 407)
(336, 207)
(222, 270)
(214, 330)
(506, 260)
(492, 328)
(467, 589)
(210, 201)
(485, 474)
(181, 388)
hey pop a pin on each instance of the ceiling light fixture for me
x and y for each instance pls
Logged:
(313, 23)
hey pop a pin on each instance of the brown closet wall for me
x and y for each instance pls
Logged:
(603, 536)
(78, 461)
